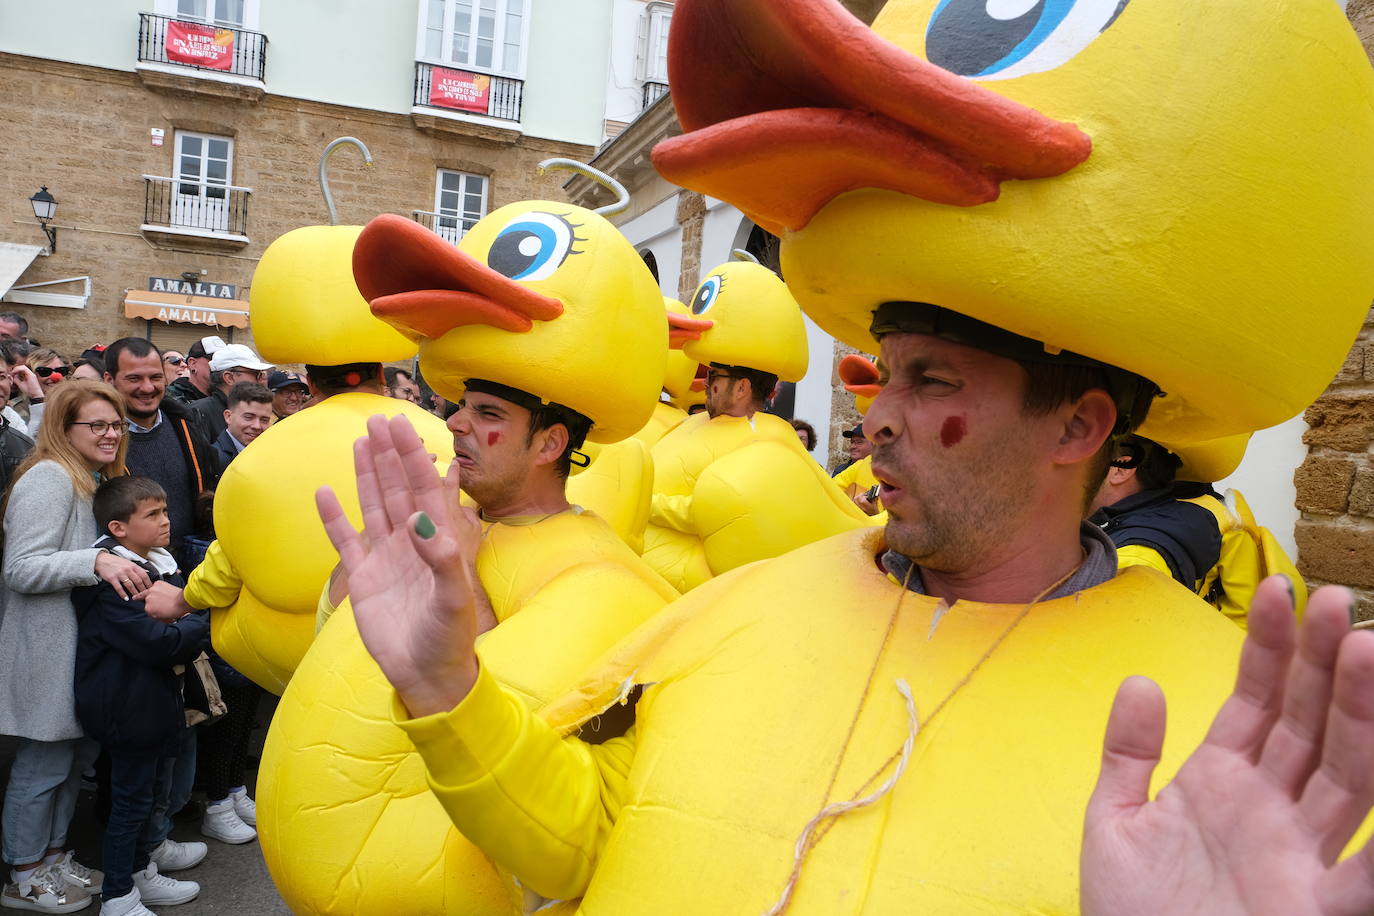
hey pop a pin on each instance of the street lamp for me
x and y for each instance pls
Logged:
(45, 208)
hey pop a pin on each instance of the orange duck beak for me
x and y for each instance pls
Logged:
(787, 104)
(681, 329)
(859, 376)
(424, 287)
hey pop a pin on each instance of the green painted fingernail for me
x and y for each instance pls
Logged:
(424, 526)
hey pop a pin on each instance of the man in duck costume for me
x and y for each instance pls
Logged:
(734, 485)
(357, 832)
(909, 720)
(1161, 510)
(263, 575)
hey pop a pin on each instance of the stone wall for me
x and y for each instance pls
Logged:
(1335, 484)
(85, 133)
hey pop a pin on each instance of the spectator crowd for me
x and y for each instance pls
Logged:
(108, 467)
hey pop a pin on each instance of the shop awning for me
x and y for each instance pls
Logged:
(14, 260)
(177, 307)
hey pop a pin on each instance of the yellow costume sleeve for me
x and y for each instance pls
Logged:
(673, 512)
(1140, 555)
(540, 805)
(847, 477)
(215, 582)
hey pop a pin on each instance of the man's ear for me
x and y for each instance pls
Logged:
(552, 445)
(1087, 422)
(227, 415)
(109, 379)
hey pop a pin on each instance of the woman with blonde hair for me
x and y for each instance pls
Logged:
(50, 368)
(48, 531)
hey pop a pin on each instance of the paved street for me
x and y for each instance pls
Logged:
(233, 879)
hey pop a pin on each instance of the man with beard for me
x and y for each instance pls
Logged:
(166, 443)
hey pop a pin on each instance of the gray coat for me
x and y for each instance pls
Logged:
(48, 535)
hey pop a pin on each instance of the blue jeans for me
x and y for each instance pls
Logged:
(131, 830)
(173, 788)
(40, 798)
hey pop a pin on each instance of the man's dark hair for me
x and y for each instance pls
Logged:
(337, 379)
(392, 371)
(1050, 384)
(17, 319)
(761, 384)
(136, 347)
(95, 362)
(11, 351)
(249, 391)
(576, 424)
(1155, 466)
(117, 499)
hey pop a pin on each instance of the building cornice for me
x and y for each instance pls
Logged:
(626, 156)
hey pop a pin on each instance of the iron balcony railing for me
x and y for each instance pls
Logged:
(447, 226)
(653, 92)
(244, 54)
(504, 95)
(187, 203)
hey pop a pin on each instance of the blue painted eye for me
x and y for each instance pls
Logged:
(1001, 39)
(706, 295)
(532, 246)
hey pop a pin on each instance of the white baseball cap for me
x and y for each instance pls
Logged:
(236, 356)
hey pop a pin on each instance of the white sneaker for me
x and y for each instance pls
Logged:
(131, 904)
(244, 807)
(173, 856)
(44, 891)
(90, 880)
(155, 888)
(222, 823)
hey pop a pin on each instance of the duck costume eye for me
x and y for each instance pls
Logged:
(707, 295)
(1001, 39)
(532, 246)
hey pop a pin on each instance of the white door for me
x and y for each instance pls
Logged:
(200, 197)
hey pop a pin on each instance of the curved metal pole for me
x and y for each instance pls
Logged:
(622, 201)
(739, 254)
(324, 179)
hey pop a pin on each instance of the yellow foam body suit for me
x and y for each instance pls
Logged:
(986, 817)
(732, 490)
(273, 557)
(347, 818)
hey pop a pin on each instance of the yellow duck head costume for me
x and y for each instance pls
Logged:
(1175, 188)
(859, 375)
(742, 314)
(543, 297)
(306, 309)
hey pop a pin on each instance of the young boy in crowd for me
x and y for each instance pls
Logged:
(129, 691)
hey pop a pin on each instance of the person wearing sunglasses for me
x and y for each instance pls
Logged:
(48, 368)
(231, 364)
(175, 364)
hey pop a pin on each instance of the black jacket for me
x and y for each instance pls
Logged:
(209, 411)
(128, 695)
(202, 459)
(1185, 534)
(185, 391)
(15, 446)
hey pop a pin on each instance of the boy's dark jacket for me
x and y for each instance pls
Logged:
(127, 695)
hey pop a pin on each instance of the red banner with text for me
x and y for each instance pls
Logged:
(460, 90)
(201, 45)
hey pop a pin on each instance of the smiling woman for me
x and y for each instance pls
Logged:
(48, 529)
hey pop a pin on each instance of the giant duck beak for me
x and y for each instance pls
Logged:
(424, 287)
(859, 376)
(787, 104)
(681, 329)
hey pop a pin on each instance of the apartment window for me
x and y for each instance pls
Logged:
(484, 34)
(653, 41)
(460, 200)
(233, 14)
(203, 171)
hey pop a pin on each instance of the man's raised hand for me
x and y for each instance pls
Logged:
(408, 571)
(1255, 818)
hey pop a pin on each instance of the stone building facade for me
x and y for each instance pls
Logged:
(107, 141)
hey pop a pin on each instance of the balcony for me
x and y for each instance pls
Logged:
(445, 225)
(195, 213)
(452, 101)
(185, 57)
(653, 91)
